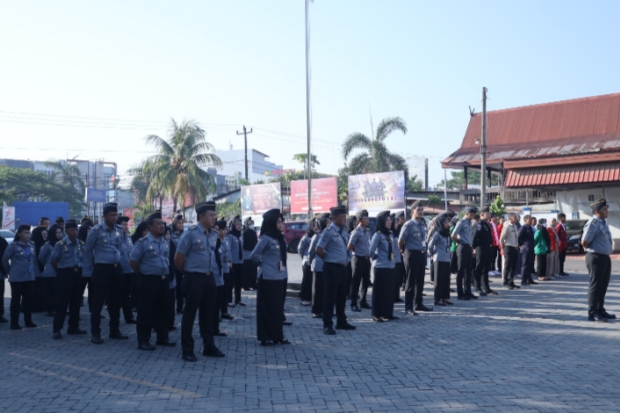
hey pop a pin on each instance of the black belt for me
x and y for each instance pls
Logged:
(199, 273)
(419, 251)
(163, 277)
(108, 265)
(75, 269)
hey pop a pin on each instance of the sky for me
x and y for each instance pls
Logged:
(92, 79)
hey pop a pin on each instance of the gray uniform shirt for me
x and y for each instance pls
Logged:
(439, 247)
(380, 251)
(464, 231)
(153, 255)
(413, 234)
(225, 255)
(18, 261)
(198, 246)
(302, 250)
(103, 246)
(316, 262)
(236, 248)
(360, 239)
(334, 242)
(125, 252)
(44, 259)
(267, 256)
(67, 254)
(596, 233)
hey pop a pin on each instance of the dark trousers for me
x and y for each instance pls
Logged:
(511, 254)
(463, 274)
(335, 293)
(399, 277)
(21, 294)
(349, 277)
(454, 262)
(493, 258)
(306, 284)
(317, 292)
(599, 268)
(68, 294)
(152, 307)
(499, 260)
(562, 260)
(415, 267)
(235, 281)
(481, 273)
(541, 265)
(106, 283)
(179, 291)
(126, 300)
(432, 271)
(2, 297)
(49, 287)
(171, 310)
(442, 280)
(222, 300)
(200, 294)
(527, 264)
(361, 278)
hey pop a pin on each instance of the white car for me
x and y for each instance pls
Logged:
(9, 236)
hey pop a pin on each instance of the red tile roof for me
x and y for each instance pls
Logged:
(566, 128)
(563, 175)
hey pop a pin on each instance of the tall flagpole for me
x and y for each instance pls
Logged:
(309, 152)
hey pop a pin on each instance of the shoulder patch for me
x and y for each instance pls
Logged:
(193, 227)
(61, 242)
(143, 238)
(97, 227)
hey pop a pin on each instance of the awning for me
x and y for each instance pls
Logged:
(563, 175)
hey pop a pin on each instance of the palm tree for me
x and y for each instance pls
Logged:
(67, 173)
(302, 158)
(178, 169)
(376, 157)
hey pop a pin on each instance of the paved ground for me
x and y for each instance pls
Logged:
(523, 351)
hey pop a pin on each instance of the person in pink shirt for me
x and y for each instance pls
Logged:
(495, 249)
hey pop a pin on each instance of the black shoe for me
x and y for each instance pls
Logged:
(50, 314)
(213, 352)
(241, 304)
(147, 346)
(317, 315)
(190, 357)
(481, 293)
(180, 312)
(411, 312)
(440, 304)
(423, 308)
(57, 335)
(117, 335)
(31, 324)
(355, 309)
(607, 315)
(532, 282)
(76, 331)
(392, 318)
(287, 323)
(597, 317)
(131, 321)
(365, 306)
(265, 343)
(166, 343)
(377, 319)
(15, 327)
(172, 328)
(96, 340)
(472, 296)
(510, 287)
(345, 326)
(452, 290)
(220, 334)
(3, 319)
(490, 292)
(399, 300)
(283, 342)
(101, 317)
(227, 317)
(329, 331)
(231, 305)
(564, 274)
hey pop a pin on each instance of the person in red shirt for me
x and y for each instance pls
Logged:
(500, 227)
(560, 230)
(495, 231)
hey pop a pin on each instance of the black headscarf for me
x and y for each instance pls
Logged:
(351, 220)
(37, 238)
(381, 219)
(310, 231)
(269, 227)
(321, 221)
(83, 231)
(137, 234)
(439, 223)
(232, 228)
(250, 239)
(51, 236)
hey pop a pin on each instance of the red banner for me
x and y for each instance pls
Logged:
(324, 195)
(128, 212)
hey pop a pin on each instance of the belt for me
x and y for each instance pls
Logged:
(110, 265)
(420, 251)
(163, 277)
(75, 269)
(199, 273)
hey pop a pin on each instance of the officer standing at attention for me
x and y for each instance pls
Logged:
(150, 260)
(412, 244)
(66, 259)
(597, 241)
(332, 249)
(482, 243)
(195, 257)
(462, 235)
(128, 274)
(359, 244)
(102, 262)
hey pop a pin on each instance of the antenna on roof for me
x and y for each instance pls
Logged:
(472, 111)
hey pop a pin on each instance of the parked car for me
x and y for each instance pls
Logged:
(9, 236)
(574, 231)
(293, 232)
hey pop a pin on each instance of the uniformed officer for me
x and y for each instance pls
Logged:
(316, 265)
(482, 244)
(332, 248)
(597, 241)
(412, 244)
(234, 275)
(224, 262)
(102, 262)
(359, 244)
(150, 261)
(66, 259)
(462, 235)
(128, 274)
(196, 258)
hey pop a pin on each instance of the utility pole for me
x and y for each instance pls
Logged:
(308, 113)
(483, 150)
(245, 138)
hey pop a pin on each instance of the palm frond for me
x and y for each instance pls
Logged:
(355, 141)
(390, 125)
(360, 164)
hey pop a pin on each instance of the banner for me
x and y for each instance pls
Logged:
(324, 195)
(377, 192)
(128, 212)
(258, 199)
(8, 218)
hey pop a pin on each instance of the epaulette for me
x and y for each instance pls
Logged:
(61, 242)
(97, 227)
(82, 242)
(143, 238)
(193, 227)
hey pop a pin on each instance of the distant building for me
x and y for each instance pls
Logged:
(259, 167)
(418, 166)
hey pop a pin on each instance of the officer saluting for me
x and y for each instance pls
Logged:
(150, 260)
(66, 259)
(332, 249)
(597, 241)
(102, 261)
(195, 257)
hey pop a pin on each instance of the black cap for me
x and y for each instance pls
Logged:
(361, 214)
(110, 207)
(598, 205)
(121, 219)
(23, 227)
(221, 223)
(485, 209)
(416, 204)
(205, 206)
(178, 217)
(71, 223)
(60, 220)
(471, 210)
(155, 215)
(400, 214)
(272, 213)
(85, 219)
(338, 210)
(383, 214)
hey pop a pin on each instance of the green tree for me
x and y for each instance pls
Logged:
(497, 207)
(457, 180)
(67, 173)
(376, 157)
(288, 176)
(433, 200)
(414, 184)
(141, 212)
(343, 184)
(228, 209)
(302, 158)
(176, 171)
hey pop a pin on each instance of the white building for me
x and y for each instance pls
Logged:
(418, 166)
(259, 167)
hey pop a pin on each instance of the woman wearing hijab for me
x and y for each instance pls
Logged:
(305, 294)
(40, 287)
(19, 261)
(541, 247)
(176, 230)
(234, 277)
(170, 313)
(382, 257)
(351, 223)
(250, 239)
(223, 259)
(270, 255)
(399, 267)
(439, 247)
(83, 231)
(49, 274)
(316, 266)
(142, 230)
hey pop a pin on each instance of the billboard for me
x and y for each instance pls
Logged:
(324, 195)
(8, 218)
(258, 199)
(377, 192)
(96, 195)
